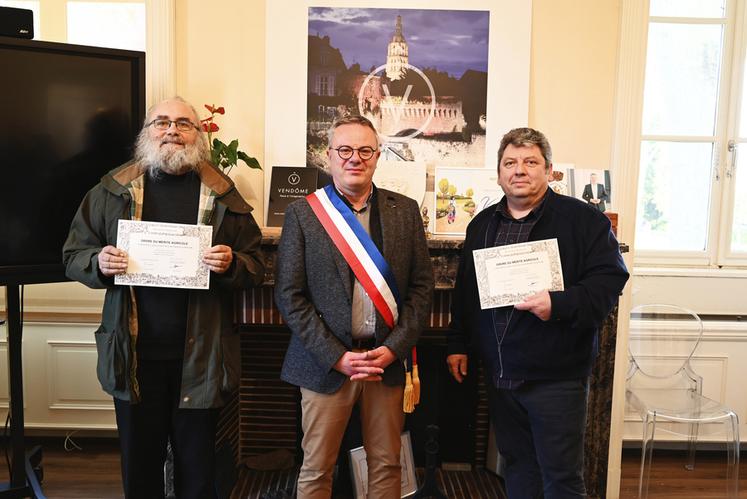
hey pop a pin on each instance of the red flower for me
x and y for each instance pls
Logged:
(209, 127)
(215, 110)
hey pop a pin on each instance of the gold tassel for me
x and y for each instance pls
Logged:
(415, 385)
(407, 404)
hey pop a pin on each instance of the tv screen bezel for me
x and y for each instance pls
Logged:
(48, 272)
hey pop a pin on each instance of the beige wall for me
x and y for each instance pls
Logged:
(220, 59)
(572, 81)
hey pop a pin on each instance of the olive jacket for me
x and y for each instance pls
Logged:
(211, 362)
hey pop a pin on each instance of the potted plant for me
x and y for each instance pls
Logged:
(224, 156)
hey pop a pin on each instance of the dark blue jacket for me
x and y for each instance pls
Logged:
(565, 346)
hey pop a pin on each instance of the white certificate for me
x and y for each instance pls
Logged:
(164, 255)
(508, 274)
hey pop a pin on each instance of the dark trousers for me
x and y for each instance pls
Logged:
(539, 430)
(146, 427)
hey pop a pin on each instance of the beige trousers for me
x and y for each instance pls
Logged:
(324, 419)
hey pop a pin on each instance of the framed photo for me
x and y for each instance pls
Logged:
(359, 469)
(460, 194)
(596, 180)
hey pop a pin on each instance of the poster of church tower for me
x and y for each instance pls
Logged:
(419, 75)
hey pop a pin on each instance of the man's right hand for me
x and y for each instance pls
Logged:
(112, 261)
(457, 366)
(362, 373)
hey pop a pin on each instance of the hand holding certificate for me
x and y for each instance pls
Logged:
(506, 275)
(164, 254)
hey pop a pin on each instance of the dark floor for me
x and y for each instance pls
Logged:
(93, 473)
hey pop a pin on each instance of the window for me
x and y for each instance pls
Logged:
(107, 24)
(692, 181)
(323, 85)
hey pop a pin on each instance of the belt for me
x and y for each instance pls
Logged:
(364, 343)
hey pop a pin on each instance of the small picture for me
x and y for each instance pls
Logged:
(359, 469)
(593, 187)
(559, 178)
(460, 194)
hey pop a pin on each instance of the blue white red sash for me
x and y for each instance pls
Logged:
(359, 250)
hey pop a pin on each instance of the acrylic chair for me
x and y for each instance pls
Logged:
(663, 387)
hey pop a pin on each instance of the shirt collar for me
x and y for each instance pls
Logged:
(501, 209)
(371, 197)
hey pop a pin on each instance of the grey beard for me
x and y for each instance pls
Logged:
(171, 161)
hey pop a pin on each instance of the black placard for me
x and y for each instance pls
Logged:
(288, 183)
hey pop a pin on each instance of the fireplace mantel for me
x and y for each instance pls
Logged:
(268, 408)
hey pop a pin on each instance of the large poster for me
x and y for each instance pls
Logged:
(419, 75)
(302, 97)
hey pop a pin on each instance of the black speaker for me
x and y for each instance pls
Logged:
(18, 23)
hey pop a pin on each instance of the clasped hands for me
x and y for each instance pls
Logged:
(113, 261)
(365, 366)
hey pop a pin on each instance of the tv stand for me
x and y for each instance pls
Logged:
(23, 479)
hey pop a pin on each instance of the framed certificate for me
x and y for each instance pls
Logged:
(164, 255)
(359, 469)
(508, 274)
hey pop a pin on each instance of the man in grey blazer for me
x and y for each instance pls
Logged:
(341, 351)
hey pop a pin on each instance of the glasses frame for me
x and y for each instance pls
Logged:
(176, 123)
(353, 150)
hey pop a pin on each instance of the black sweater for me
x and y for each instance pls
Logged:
(563, 347)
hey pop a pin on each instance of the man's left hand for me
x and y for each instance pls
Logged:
(378, 357)
(218, 258)
(538, 304)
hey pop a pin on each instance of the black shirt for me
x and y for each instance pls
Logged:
(162, 312)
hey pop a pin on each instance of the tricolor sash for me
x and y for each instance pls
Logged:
(359, 251)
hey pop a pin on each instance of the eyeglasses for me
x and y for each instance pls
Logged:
(346, 152)
(164, 124)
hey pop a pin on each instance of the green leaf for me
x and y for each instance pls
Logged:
(250, 161)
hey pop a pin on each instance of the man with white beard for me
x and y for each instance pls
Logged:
(169, 357)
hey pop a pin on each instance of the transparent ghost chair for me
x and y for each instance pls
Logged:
(663, 387)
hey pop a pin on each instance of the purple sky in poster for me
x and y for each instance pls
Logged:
(448, 40)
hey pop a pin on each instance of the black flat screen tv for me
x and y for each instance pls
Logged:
(70, 114)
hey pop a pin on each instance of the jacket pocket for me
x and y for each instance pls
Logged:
(109, 365)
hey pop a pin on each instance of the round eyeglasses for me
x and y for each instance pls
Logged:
(346, 152)
(164, 124)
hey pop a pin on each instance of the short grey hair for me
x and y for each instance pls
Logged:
(526, 137)
(351, 120)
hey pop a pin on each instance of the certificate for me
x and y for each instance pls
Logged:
(164, 255)
(508, 274)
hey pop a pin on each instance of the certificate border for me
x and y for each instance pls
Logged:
(481, 255)
(201, 280)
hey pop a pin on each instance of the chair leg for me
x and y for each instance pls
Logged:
(691, 443)
(647, 448)
(732, 456)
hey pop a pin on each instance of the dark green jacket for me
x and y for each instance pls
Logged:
(211, 354)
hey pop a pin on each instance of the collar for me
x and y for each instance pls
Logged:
(371, 197)
(501, 209)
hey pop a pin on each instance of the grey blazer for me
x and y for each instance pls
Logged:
(314, 293)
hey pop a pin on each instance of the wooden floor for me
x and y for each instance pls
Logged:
(93, 473)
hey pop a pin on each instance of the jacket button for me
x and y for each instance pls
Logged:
(186, 399)
(191, 341)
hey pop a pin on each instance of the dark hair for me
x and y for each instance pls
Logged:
(351, 120)
(526, 137)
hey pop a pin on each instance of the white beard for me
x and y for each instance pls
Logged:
(163, 158)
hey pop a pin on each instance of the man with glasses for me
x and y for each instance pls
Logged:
(354, 284)
(169, 357)
(537, 354)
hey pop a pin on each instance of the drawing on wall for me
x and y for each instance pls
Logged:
(460, 194)
(419, 75)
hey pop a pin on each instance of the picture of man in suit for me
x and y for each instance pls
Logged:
(349, 340)
(595, 194)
